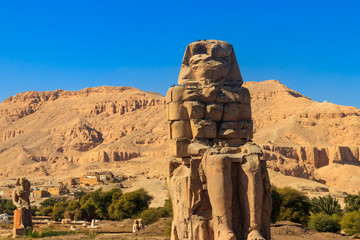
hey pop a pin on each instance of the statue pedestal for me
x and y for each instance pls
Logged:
(17, 218)
(22, 221)
(19, 232)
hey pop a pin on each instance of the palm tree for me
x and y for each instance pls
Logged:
(327, 205)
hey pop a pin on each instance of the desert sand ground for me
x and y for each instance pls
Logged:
(121, 230)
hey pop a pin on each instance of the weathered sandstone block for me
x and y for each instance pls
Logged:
(180, 129)
(175, 94)
(176, 111)
(195, 109)
(203, 128)
(214, 112)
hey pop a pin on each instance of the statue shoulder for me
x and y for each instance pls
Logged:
(175, 94)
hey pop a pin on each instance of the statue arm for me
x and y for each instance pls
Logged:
(196, 148)
(252, 148)
(15, 198)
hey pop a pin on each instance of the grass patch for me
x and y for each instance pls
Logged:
(50, 233)
(47, 233)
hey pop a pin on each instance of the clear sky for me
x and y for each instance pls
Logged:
(312, 46)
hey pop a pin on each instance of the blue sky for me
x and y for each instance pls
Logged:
(312, 46)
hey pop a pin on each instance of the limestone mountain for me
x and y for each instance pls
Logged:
(42, 133)
(46, 133)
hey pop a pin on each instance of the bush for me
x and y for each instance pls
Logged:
(6, 206)
(168, 208)
(324, 223)
(58, 210)
(96, 204)
(130, 204)
(352, 203)
(327, 205)
(295, 206)
(149, 216)
(46, 211)
(350, 222)
(168, 225)
(47, 233)
(276, 204)
(51, 202)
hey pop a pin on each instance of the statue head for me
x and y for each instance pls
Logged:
(24, 184)
(209, 62)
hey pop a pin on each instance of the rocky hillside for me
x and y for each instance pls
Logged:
(300, 135)
(42, 133)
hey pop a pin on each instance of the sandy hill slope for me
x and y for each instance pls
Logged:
(52, 133)
(299, 134)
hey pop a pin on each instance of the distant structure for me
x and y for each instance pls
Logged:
(95, 178)
(40, 193)
(6, 193)
(219, 187)
(69, 182)
(22, 215)
(58, 190)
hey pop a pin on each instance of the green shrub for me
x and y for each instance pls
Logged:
(7, 206)
(73, 205)
(78, 195)
(324, 223)
(31, 233)
(276, 204)
(58, 210)
(295, 206)
(168, 208)
(350, 222)
(47, 233)
(47, 207)
(327, 205)
(352, 203)
(150, 216)
(51, 202)
(168, 225)
(96, 204)
(129, 204)
(46, 211)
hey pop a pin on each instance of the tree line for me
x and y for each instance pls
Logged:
(111, 205)
(322, 214)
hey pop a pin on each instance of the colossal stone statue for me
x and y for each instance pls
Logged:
(219, 188)
(22, 215)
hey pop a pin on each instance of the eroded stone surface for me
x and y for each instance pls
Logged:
(219, 186)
